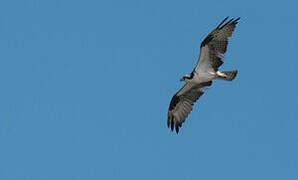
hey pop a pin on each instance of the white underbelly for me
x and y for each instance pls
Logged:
(204, 77)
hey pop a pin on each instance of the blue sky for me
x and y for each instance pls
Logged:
(85, 88)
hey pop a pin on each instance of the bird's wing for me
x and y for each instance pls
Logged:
(215, 45)
(182, 102)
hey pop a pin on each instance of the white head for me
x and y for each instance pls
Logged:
(186, 78)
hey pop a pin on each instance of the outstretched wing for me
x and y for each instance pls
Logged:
(215, 45)
(182, 102)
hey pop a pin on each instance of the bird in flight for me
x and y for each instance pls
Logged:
(212, 50)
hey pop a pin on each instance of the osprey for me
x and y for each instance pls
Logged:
(212, 50)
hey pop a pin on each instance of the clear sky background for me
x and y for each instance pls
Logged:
(85, 87)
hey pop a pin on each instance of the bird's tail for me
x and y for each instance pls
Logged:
(227, 75)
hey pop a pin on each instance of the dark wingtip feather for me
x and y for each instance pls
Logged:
(236, 20)
(222, 22)
(177, 128)
(227, 23)
(231, 21)
(169, 117)
(172, 124)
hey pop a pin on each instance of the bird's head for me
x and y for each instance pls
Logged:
(185, 78)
